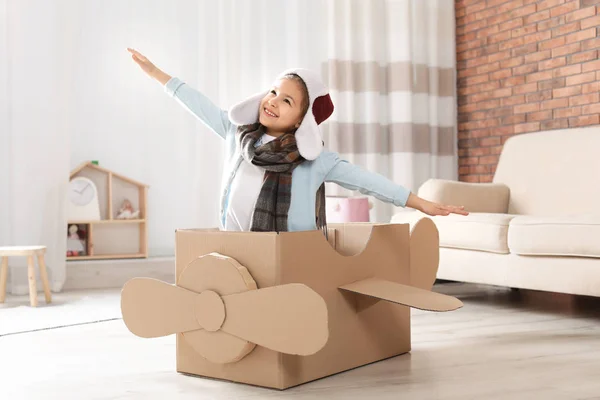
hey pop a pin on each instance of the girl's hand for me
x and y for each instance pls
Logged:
(143, 62)
(433, 209)
(150, 69)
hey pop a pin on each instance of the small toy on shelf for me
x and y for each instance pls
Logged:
(76, 241)
(127, 212)
(73, 232)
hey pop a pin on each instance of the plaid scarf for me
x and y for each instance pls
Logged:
(278, 158)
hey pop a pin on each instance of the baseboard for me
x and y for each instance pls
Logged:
(104, 274)
(22, 290)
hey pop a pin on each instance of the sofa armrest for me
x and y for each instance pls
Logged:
(476, 197)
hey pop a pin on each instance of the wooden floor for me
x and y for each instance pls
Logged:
(502, 345)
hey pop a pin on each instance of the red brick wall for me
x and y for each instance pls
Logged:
(523, 66)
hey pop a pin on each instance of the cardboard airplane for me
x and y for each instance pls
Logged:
(282, 309)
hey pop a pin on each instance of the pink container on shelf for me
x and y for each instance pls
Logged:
(347, 209)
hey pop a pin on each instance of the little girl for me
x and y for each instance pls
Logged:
(276, 166)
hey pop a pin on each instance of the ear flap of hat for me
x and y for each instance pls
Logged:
(308, 135)
(308, 138)
(246, 112)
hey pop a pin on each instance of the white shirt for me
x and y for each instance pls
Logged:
(244, 192)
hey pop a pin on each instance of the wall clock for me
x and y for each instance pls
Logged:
(83, 204)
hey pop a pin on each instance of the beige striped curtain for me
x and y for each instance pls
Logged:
(391, 71)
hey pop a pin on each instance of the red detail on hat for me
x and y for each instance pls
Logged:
(322, 108)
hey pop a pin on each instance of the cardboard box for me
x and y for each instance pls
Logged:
(281, 309)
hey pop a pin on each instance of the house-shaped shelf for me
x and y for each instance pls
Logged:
(111, 237)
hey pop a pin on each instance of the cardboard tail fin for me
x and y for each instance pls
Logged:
(424, 254)
(403, 294)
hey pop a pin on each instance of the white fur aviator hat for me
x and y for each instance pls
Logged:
(308, 134)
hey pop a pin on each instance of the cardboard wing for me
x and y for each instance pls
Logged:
(424, 262)
(403, 294)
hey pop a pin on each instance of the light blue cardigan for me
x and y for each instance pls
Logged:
(306, 178)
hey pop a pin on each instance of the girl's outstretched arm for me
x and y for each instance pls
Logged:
(192, 100)
(353, 177)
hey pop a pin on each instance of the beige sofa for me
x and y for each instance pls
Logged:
(536, 226)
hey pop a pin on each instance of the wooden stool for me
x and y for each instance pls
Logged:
(29, 252)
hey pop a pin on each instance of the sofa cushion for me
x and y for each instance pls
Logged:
(476, 231)
(555, 236)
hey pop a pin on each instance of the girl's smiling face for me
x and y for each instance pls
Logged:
(284, 107)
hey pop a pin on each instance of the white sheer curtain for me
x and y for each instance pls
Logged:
(36, 100)
(391, 68)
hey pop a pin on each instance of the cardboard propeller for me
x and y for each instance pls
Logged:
(217, 307)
